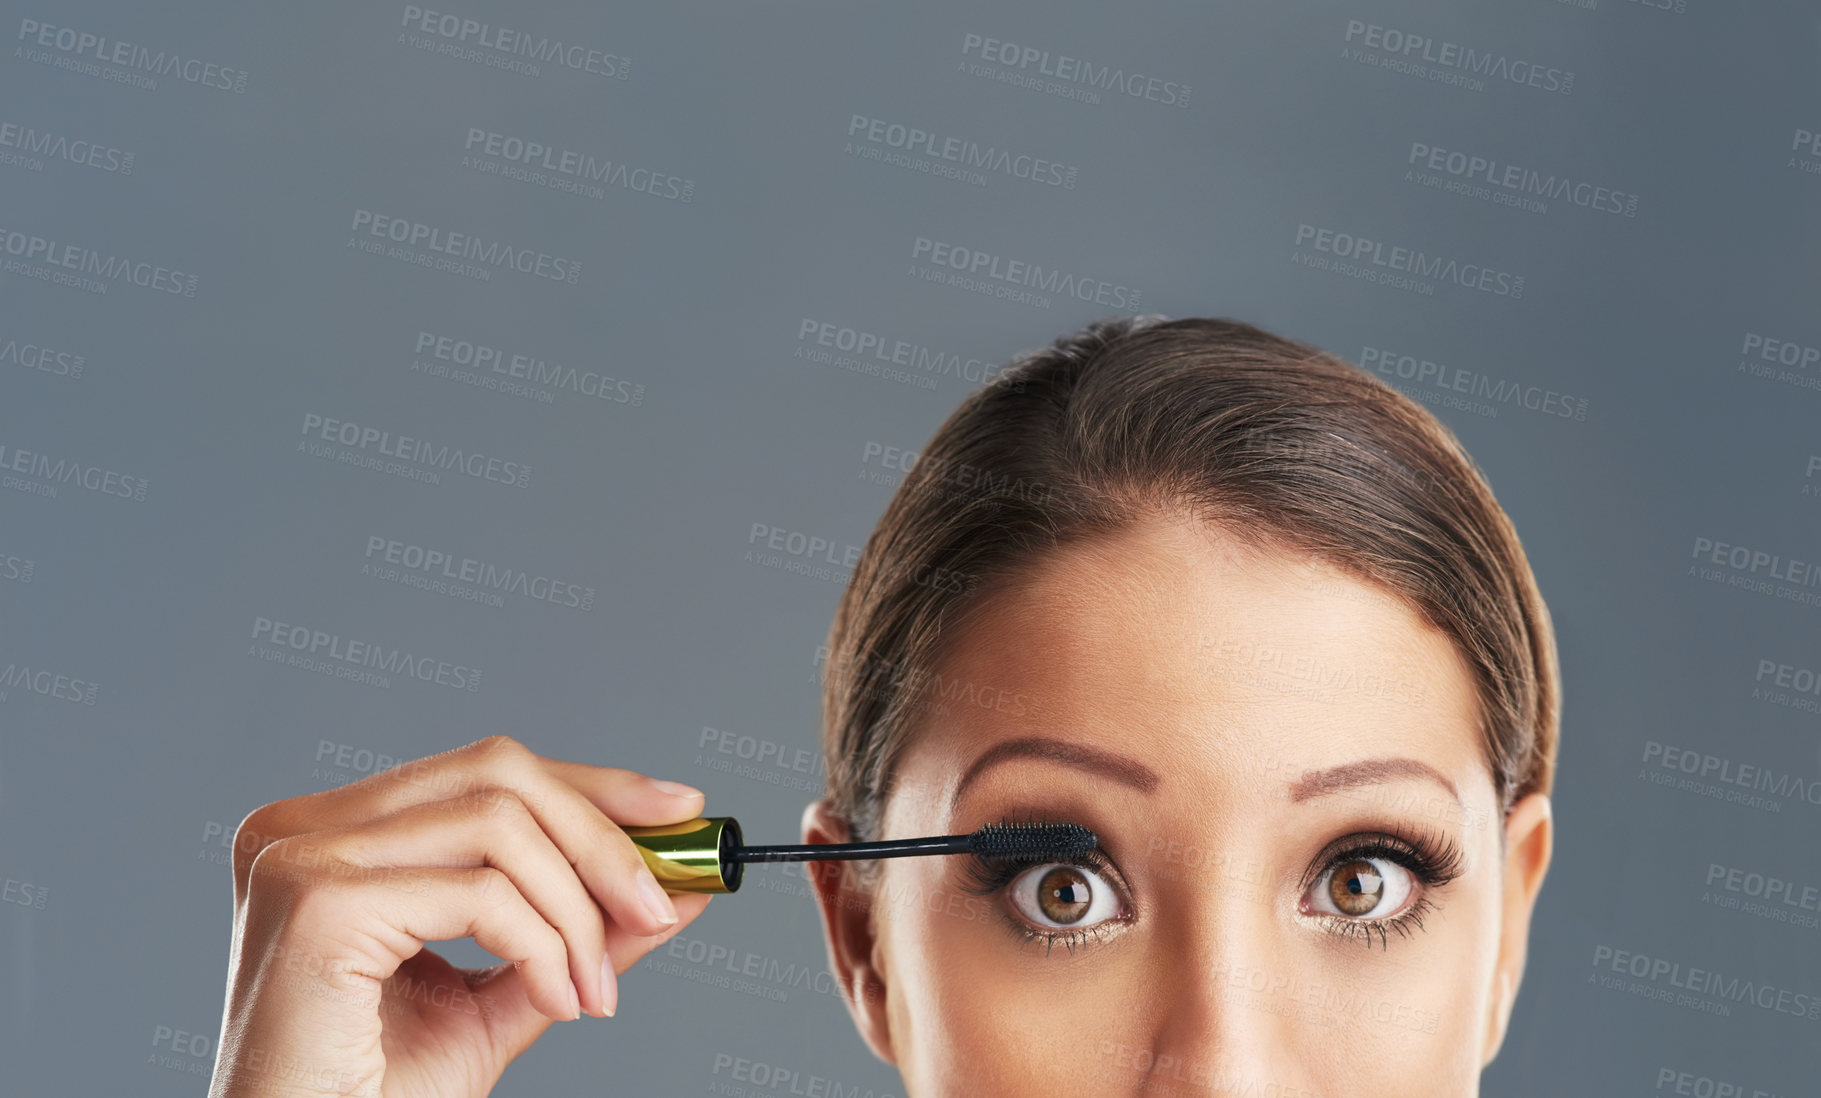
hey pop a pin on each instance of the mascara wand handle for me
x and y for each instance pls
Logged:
(888, 848)
(692, 856)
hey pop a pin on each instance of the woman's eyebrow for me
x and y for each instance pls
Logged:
(1120, 768)
(1319, 783)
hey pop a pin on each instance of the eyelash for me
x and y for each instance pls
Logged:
(1432, 859)
(988, 876)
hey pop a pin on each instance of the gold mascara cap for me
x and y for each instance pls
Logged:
(692, 856)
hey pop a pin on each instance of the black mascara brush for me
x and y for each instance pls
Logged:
(706, 854)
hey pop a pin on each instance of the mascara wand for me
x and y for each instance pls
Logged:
(707, 854)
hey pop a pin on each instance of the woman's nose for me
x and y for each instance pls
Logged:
(1230, 1020)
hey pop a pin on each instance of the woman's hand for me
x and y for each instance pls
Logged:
(335, 893)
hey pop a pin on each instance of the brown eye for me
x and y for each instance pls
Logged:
(1356, 887)
(1063, 895)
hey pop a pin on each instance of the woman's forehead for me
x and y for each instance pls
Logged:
(1208, 660)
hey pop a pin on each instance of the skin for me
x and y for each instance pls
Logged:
(330, 988)
(1217, 977)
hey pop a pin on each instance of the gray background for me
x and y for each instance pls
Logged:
(115, 923)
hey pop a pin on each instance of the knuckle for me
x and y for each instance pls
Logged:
(500, 746)
(500, 803)
(551, 945)
(583, 920)
(627, 860)
(256, 831)
(491, 886)
(282, 867)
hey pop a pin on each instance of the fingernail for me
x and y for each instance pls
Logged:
(610, 986)
(654, 899)
(675, 789)
(575, 1002)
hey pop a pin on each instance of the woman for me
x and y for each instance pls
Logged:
(1239, 607)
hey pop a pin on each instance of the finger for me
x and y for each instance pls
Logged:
(366, 923)
(496, 761)
(600, 855)
(513, 1023)
(624, 950)
(490, 828)
(604, 857)
(520, 1024)
(627, 796)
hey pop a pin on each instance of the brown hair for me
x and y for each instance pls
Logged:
(1283, 444)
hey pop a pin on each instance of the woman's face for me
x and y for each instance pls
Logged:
(1301, 892)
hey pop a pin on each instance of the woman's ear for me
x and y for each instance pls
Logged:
(853, 953)
(1529, 839)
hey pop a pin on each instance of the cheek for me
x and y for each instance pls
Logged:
(1417, 1000)
(975, 1012)
(983, 1015)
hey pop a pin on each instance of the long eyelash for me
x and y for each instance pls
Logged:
(987, 876)
(1432, 858)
